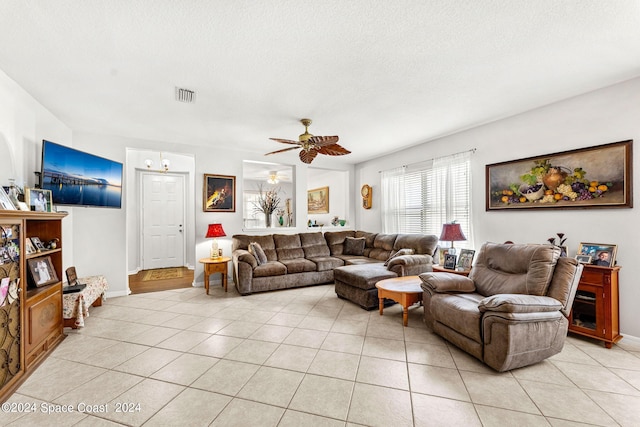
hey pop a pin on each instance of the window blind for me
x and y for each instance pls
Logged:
(422, 198)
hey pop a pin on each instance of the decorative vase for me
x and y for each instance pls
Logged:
(267, 220)
(553, 178)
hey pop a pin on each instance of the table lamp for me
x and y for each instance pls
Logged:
(452, 232)
(215, 231)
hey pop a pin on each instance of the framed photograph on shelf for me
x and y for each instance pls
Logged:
(450, 261)
(29, 248)
(5, 201)
(584, 259)
(38, 244)
(39, 200)
(219, 193)
(318, 201)
(42, 271)
(601, 254)
(465, 260)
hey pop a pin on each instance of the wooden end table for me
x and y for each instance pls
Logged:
(215, 265)
(403, 290)
(441, 269)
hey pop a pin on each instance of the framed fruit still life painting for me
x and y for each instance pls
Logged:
(592, 177)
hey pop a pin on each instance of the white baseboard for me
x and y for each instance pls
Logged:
(114, 294)
(630, 338)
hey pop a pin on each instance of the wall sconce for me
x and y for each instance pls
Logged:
(164, 162)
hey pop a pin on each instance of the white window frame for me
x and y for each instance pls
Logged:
(421, 197)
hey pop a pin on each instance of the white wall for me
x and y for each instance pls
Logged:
(607, 115)
(338, 183)
(24, 123)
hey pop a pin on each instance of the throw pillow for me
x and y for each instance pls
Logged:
(256, 250)
(399, 253)
(354, 246)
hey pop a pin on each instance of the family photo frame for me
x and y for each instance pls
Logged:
(593, 177)
(42, 271)
(219, 193)
(600, 254)
(38, 199)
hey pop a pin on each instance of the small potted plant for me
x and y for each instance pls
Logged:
(560, 243)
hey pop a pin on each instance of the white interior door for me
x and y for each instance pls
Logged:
(162, 221)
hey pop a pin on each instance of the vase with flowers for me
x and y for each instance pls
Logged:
(559, 242)
(267, 203)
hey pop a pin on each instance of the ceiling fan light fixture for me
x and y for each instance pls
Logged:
(273, 178)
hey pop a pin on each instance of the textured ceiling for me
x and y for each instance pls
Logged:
(382, 75)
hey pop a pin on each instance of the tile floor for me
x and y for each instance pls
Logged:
(303, 357)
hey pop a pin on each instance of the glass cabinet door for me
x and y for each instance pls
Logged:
(10, 300)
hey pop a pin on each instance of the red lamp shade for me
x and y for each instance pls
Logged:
(215, 230)
(452, 233)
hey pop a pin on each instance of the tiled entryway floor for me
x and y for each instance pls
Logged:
(303, 357)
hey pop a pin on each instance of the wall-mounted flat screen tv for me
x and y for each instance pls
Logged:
(77, 178)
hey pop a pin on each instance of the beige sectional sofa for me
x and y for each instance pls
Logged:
(303, 259)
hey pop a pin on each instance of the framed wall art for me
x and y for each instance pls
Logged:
(318, 201)
(42, 271)
(601, 254)
(219, 193)
(593, 177)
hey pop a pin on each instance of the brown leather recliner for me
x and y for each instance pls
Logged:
(512, 310)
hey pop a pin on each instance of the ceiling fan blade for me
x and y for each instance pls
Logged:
(308, 156)
(286, 141)
(333, 150)
(322, 141)
(283, 150)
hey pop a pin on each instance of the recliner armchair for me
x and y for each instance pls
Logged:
(512, 310)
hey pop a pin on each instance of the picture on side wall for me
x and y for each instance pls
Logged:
(318, 201)
(603, 255)
(5, 201)
(593, 177)
(219, 193)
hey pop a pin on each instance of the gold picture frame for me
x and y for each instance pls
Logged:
(219, 193)
(318, 201)
(602, 254)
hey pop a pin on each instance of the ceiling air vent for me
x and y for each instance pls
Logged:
(185, 95)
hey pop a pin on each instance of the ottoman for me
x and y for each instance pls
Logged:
(357, 283)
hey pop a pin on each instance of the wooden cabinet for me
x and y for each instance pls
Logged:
(33, 314)
(595, 308)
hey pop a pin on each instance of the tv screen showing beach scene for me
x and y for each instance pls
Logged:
(81, 179)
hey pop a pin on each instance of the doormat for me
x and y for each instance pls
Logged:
(162, 273)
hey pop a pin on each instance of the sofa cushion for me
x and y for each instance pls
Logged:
(241, 241)
(514, 268)
(354, 259)
(271, 268)
(459, 312)
(446, 282)
(314, 245)
(363, 276)
(369, 238)
(382, 247)
(256, 250)
(518, 303)
(335, 240)
(400, 252)
(324, 263)
(354, 246)
(299, 265)
(288, 246)
(424, 244)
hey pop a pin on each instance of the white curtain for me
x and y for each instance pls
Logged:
(452, 184)
(393, 200)
(422, 197)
